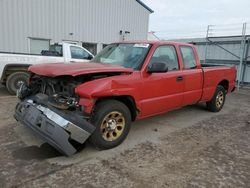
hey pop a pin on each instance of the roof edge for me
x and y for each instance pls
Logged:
(145, 6)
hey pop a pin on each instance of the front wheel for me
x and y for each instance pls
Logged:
(218, 100)
(112, 120)
(15, 80)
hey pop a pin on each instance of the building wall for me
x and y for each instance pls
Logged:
(91, 21)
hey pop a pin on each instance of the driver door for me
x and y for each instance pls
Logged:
(162, 91)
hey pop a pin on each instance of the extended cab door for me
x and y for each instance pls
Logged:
(162, 91)
(192, 75)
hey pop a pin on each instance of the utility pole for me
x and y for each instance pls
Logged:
(207, 35)
(242, 51)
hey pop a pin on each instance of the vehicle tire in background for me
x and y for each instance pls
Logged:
(15, 80)
(218, 100)
(112, 120)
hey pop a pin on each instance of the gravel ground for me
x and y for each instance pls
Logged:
(190, 147)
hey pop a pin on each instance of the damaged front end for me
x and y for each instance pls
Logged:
(50, 108)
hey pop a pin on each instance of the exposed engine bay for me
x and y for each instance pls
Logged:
(60, 90)
(50, 107)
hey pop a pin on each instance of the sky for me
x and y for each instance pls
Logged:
(173, 19)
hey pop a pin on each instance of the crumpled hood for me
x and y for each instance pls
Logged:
(75, 69)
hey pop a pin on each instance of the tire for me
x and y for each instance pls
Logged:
(218, 100)
(15, 80)
(112, 120)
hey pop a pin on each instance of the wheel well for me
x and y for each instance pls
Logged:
(9, 69)
(127, 100)
(225, 84)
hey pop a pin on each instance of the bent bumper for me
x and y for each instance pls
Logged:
(54, 126)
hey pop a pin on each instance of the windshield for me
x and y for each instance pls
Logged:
(126, 55)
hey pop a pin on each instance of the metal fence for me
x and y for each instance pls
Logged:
(232, 42)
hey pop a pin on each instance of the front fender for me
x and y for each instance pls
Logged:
(89, 92)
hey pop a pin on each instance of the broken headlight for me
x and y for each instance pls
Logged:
(63, 102)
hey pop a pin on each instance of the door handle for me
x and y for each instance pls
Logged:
(179, 78)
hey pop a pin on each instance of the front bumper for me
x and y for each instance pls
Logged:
(54, 126)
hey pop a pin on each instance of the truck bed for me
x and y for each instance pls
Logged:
(214, 73)
(29, 54)
(204, 65)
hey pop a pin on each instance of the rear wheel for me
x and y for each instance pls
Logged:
(15, 80)
(218, 100)
(112, 120)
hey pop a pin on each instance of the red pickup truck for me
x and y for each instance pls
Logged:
(70, 103)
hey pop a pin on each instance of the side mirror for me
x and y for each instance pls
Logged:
(90, 57)
(157, 67)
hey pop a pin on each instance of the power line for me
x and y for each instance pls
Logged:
(222, 25)
(233, 29)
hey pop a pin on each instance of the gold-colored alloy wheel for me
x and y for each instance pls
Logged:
(112, 126)
(219, 99)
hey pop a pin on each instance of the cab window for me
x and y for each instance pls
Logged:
(166, 54)
(188, 57)
(78, 53)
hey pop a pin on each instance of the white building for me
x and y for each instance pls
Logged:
(29, 26)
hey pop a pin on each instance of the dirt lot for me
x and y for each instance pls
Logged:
(190, 147)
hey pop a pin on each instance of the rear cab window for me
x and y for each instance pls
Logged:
(57, 49)
(166, 54)
(188, 57)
